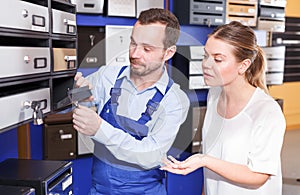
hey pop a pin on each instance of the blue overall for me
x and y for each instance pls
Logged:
(110, 180)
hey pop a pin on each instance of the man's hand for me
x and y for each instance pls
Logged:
(86, 120)
(80, 81)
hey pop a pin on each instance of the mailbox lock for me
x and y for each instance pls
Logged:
(25, 13)
(26, 59)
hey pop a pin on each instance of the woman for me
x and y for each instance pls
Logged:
(244, 127)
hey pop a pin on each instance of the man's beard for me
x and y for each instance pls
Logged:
(142, 70)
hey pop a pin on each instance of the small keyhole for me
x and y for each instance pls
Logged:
(92, 37)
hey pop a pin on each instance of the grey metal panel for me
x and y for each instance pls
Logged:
(24, 15)
(275, 3)
(274, 52)
(272, 12)
(63, 22)
(275, 64)
(14, 109)
(274, 78)
(211, 7)
(117, 44)
(146, 4)
(17, 61)
(202, 18)
(125, 8)
(89, 6)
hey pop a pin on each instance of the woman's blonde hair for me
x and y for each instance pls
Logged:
(244, 41)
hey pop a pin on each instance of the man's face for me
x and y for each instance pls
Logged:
(146, 51)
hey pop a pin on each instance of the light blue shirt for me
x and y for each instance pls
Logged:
(120, 148)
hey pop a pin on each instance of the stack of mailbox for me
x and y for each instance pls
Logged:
(244, 11)
(271, 18)
(200, 12)
(271, 15)
(123, 8)
(275, 64)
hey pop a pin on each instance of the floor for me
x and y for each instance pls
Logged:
(291, 163)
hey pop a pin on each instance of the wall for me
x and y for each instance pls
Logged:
(289, 92)
(292, 8)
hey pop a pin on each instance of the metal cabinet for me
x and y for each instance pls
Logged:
(45, 177)
(200, 12)
(38, 45)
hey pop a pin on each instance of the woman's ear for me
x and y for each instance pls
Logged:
(245, 64)
(169, 53)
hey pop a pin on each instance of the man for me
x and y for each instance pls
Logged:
(140, 111)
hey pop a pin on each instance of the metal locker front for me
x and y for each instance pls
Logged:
(89, 6)
(18, 61)
(142, 5)
(24, 15)
(18, 108)
(63, 22)
(125, 8)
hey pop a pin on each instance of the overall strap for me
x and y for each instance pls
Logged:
(153, 104)
(115, 92)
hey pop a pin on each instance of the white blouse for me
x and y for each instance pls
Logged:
(253, 137)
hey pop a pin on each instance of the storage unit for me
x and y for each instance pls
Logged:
(244, 11)
(46, 177)
(16, 190)
(62, 141)
(291, 40)
(275, 64)
(64, 50)
(187, 67)
(271, 15)
(26, 62)
(200, 12)
(89, 6)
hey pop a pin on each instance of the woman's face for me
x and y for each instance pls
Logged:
(219, 65)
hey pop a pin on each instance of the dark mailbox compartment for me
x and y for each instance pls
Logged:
(60, 138)
(45, 176)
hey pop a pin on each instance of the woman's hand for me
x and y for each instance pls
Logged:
(184, 167)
